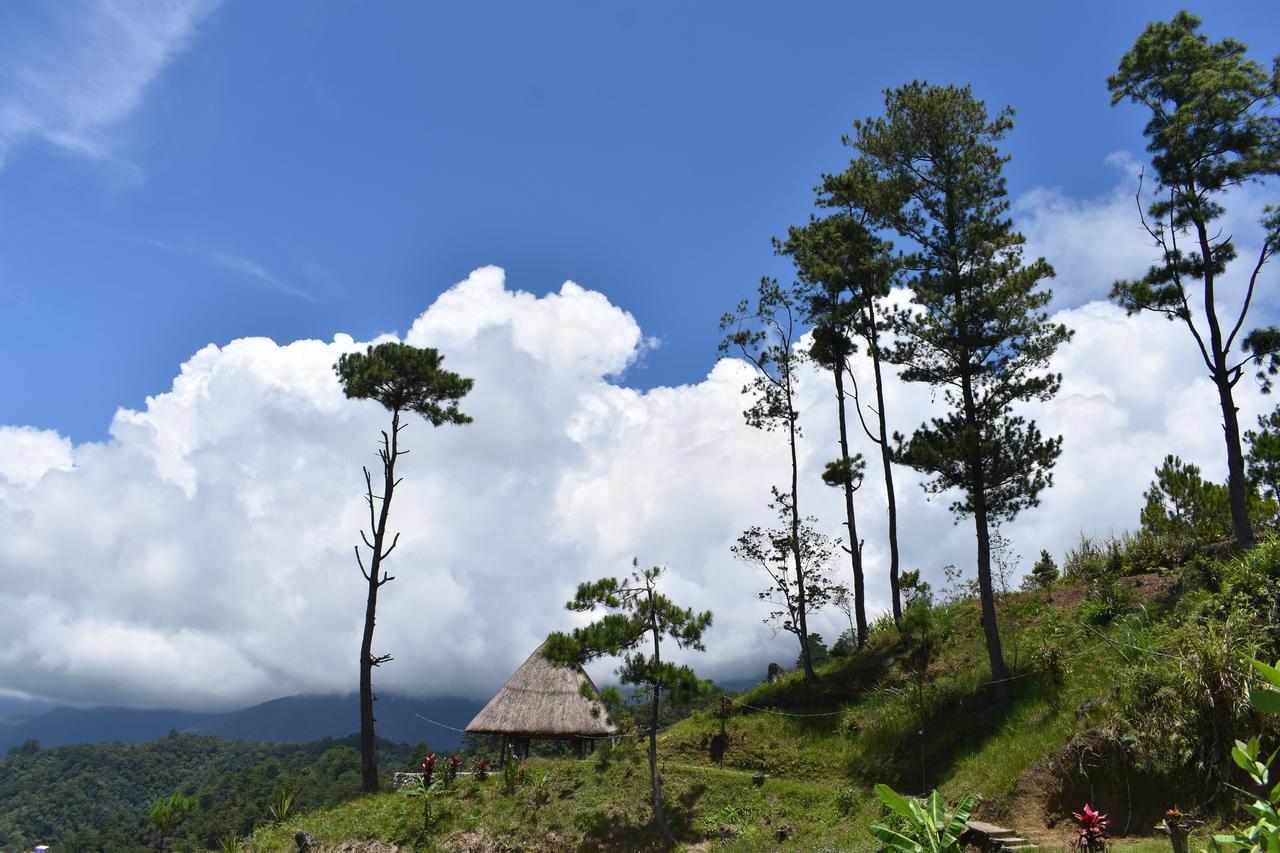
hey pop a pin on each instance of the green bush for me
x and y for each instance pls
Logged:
(845, 801)
(1181, 703)
(1108, 597)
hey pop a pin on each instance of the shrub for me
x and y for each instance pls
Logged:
(281, 805)
(511, 772)
(1183, 707)
(846, 644)
(846, 799)
(818, 653)
(1106, 599)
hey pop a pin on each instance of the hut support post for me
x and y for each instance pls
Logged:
(506, 741)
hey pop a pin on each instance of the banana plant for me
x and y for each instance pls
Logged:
(929, 828)
(1263, 836)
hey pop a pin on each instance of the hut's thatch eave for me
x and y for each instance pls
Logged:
(544, 700)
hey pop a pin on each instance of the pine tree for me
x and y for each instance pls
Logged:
(847, 271)
(403, 379)
(931, 170)
(640, 615)
(1263, 456)
(1212, 128)
(1043, 574)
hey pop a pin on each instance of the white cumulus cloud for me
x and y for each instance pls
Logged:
(202, 555)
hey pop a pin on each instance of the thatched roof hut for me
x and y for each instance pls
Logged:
(544, 700)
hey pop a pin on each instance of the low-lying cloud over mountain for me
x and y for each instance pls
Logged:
(201, 557)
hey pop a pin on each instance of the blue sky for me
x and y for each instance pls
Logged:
(180, 173)
(294, 170)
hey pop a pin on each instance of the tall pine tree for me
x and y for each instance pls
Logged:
(1212, 128)
(847, 271)
(978, 330)
(403, 379)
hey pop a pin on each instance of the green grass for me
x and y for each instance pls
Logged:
(822, 748)
(591, 805)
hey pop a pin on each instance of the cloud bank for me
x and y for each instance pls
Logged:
(201, 557)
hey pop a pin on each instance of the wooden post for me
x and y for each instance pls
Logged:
(1178, 831)
(506, 741)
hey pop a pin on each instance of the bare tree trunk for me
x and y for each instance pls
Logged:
(855, 546)
(659, 813)
(368, 760)
(389, 453)
(1221, 375)
(999, 675)
(801, 593)
(881, 438)
(886, 458)
(1237, 487)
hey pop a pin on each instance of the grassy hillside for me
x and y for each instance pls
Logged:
(1127, 693)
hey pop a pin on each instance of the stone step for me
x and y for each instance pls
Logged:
(990, 829)
(1011, 840)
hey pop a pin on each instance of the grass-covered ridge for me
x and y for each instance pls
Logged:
(1135, 670)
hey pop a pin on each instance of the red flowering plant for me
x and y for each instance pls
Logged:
(428, 768)
(454, 763)
(482, 769)
(1091, 831)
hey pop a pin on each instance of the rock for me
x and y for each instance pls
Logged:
(304, 840)
(784, 833)
(406, 780)
(758, 779)
(775, 673)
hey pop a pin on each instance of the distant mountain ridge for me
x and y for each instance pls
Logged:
(289, 719)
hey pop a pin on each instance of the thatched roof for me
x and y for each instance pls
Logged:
(542, 699)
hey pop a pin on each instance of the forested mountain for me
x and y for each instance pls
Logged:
(95, 796)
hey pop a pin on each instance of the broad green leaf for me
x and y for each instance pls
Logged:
(1243, 754)
(1265, 700)
(894, 839)
(895, 801)
(935, 808)
(958, 820)
(919, 816)
(1270, 673)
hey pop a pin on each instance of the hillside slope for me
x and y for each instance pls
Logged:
(1127, 693)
